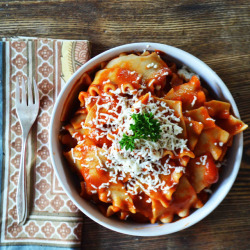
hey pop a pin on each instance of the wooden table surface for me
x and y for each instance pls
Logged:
(217, 32)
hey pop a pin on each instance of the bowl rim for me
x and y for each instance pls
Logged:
(182, 56)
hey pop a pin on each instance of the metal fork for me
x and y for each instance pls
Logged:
(27, 111)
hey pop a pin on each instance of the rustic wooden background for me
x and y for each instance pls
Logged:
(217, 32)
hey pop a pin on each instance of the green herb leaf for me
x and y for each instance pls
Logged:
(127, 142)
(145, 127)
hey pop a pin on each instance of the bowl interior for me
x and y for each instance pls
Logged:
(220, 189)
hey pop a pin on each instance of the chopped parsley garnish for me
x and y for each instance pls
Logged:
(145, 127)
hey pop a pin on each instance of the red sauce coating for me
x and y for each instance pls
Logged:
(211, 171)
(231, 125)
(183, 193)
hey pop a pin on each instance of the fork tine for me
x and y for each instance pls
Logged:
(36, 91)
(17, 93)
(30, 94)
(23, 91)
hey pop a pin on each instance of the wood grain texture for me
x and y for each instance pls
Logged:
(217, 32)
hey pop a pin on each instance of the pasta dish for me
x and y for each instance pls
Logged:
(147, 140)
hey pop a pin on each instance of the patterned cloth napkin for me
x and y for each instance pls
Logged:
(53, 219)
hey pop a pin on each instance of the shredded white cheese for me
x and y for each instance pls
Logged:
(93, 186)
(194, 100)
(218, 165)
(107, 81)
(207, 190)
(74, 157)
(152, 65)
(151, 82)
(143, 165)
(203, 159)
(186, 73)
(210, 119)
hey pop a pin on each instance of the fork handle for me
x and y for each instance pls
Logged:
(21, 197)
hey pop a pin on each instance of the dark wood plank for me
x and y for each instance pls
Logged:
(217, 32)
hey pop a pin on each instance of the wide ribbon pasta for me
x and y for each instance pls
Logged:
(154, 180)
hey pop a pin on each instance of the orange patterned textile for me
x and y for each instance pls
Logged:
(136, 171)
(53, 219)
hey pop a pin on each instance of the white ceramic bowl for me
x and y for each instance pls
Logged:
(227, 174)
